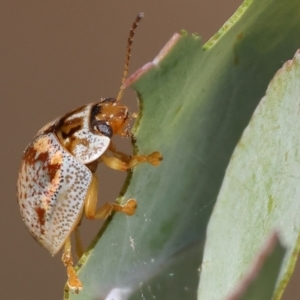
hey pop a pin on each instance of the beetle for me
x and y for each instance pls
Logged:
(57, 184)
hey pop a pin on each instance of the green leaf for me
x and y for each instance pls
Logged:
(260, 191)
(195, 103)
(260, 280)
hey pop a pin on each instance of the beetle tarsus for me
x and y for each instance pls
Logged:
(154, 159)
(129, 207)
(73, 282)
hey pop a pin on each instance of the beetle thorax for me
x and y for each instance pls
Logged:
(77, 136)
(86, 131)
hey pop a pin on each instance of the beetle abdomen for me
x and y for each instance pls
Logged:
(52, 186)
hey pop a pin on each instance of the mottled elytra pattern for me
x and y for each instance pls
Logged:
(52, 185)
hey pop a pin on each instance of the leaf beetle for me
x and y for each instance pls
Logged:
(57, 184)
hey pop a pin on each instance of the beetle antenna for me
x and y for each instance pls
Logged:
(128, 54)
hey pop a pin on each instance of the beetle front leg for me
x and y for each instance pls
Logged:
(90, 205)
(73, 280)
(154, 159)
(118, 154)
(123, 162)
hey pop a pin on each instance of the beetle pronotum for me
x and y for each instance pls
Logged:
(57, 184)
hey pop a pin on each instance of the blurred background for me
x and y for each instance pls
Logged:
(55, 56)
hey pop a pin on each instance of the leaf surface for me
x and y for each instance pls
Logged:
(195, 103)
(260, 192)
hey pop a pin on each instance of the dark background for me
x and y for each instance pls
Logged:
(55, 56)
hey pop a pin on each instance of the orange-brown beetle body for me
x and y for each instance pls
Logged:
(57, 182)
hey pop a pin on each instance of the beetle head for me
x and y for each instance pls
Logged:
(109, 117)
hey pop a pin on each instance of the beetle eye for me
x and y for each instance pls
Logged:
(103, 127)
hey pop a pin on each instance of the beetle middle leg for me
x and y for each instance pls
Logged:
(90, 204)
(78, 242)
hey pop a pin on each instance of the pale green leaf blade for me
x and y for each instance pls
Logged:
(260, 192)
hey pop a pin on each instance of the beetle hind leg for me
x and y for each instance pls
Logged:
(73, 280)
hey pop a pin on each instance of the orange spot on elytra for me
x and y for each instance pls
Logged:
(52, 170)
(42, 144)
(41, 215)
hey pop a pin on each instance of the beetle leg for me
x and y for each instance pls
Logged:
(123, 162)
(154, 159)
(73, 281)
(78, 243)
(114, 163)
(118, 154)
(106, 209)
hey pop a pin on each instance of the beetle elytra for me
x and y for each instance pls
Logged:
(57, 184)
